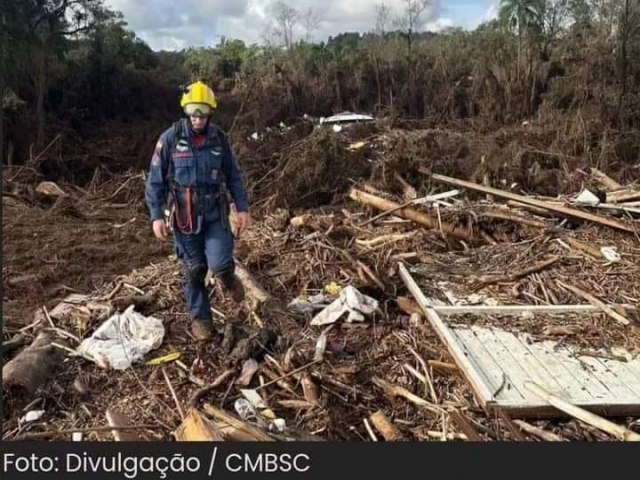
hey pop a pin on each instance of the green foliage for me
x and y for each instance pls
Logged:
(85, 66)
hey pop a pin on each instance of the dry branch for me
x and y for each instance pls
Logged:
(605, 179)
(255, 433)
(463, 424)
(538, 432)
(565, 211)
(411, 214)
(596, 302)
(387, 429)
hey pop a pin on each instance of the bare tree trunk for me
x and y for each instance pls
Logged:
(624, 33)
(41, 87)
(338, 90)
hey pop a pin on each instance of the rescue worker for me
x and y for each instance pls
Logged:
(190, 166)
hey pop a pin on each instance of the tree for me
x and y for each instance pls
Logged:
(410, 22)
(286, 18)
(310, 22)
(49, 24)
(383, 13)
(525, 17)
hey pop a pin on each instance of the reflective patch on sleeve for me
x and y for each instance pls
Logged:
(155, 160)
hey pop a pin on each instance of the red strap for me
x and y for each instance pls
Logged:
(198, 140)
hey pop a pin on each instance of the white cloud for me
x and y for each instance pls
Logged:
(173, 25)
(439, 24)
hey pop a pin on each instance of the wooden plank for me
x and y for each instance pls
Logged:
(594, 385)
(491, 369)
(634, 368)
(468, 367)
(197, 428)
(447, 310)
(620, 392)
(515, 373)
(558, 368)
(617, 431)
(530, 364)
(570, 212)
(624, 373)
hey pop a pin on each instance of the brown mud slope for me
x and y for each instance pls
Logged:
(309, 233)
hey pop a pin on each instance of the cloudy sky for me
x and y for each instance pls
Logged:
(177, 24)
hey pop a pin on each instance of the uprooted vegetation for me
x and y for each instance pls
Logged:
(542, 119)
(297, 250)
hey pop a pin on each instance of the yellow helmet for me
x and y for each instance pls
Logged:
(197, 97)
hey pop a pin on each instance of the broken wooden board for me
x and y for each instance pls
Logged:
(197, 428)
(498, 364)
(565, 211)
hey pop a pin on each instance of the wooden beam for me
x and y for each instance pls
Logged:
(447, 310)
(411, 214)
(445, 334)
(569, 212)
(605, 179)
(618, 431)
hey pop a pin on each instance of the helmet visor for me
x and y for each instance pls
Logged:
(197, 110)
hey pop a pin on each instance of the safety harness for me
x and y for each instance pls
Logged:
(192, 194)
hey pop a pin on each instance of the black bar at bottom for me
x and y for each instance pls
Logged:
(318, 460)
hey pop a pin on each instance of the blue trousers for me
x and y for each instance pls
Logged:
(211, 248)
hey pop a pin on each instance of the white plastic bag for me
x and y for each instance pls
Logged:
(123, 339)
(350, 301)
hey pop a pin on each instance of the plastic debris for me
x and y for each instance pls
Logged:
(31, 416)
(123, 339)
(350, 301)
(587, 198)
(305, 303)
(164, 359)
(321, 346)
(332, 288)
(277, 426)
(346, 117)
(356, 145)
(611, 254)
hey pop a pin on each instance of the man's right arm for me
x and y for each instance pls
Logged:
(156, 186)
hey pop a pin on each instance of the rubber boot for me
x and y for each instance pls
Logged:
(201, 329)
(233, 285)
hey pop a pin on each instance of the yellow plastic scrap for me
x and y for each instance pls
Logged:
(332, 288)
(170, 357)
(357, 145)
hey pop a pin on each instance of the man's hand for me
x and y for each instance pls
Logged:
(242, 222)
(160, 229)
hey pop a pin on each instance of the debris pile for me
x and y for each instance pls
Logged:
(362, 304)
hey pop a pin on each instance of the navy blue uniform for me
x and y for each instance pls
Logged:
(191, 170)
